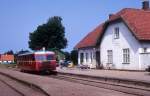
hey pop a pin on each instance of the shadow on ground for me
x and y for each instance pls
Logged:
(42, 73)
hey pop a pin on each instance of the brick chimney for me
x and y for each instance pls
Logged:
(145, 5)
(111, 15)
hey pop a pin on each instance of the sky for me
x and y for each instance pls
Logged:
(20, 17)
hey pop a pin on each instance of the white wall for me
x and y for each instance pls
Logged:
(144, 60)
(88, 62)
(126, 40)
(138, 59)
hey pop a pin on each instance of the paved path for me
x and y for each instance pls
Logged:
(140, 76)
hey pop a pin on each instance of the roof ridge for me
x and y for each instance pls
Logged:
(137, 20)
(129, 9)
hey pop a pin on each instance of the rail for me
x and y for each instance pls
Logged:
(116, 86)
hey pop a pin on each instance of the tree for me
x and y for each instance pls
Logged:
(49, 35)
(9, 52)
(22, 52)
(67, 56)
(74, 57)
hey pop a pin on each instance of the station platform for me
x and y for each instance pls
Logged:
(49, 86)
(135, 76)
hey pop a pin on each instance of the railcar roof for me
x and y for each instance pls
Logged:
(37, 52)
(44, 52)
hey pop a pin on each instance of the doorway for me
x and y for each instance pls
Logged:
(98, 60)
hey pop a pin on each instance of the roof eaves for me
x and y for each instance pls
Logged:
(87, 47)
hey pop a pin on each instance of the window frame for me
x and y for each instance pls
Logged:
(109, 57)
(87, 57)
(126, 56)
(81, 57)
(116, 32)
(91, 56)
(145, 50)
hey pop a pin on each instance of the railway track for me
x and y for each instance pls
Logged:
(19, 87)
(116, 86)
(7, 90)
(132, 89)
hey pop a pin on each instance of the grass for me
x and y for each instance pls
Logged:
(12, 65)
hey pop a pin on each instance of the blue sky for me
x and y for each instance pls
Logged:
(19, 17)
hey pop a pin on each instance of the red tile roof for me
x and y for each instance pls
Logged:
(7, 58)
(137, 20)
(90, 39)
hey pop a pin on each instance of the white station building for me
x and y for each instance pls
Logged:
(121, 42)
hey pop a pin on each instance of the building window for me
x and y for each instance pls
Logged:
(116, 33)
(91, 57)
(110, 56)
(126, 55)
(87, 55)
(144, 50)
(81, 57)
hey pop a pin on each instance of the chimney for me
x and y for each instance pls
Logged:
(111, 15)
(145, 5)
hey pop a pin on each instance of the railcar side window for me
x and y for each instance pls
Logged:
(44, 57)
(40, 57)
(50, 57)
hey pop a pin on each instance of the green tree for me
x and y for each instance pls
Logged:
(74, 57)
(22, 52)
(9, 52)
(67, 55)
(49, 35)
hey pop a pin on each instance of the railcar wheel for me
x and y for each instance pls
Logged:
(22, 70)
(53, 72)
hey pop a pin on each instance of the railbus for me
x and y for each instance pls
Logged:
(37, 61)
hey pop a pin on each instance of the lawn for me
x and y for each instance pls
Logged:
(12, 65)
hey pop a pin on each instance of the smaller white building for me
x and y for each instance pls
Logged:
(88, 50)
(87, 57)
(6, 59)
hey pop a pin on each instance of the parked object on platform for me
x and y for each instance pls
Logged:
(83, 66)
(65, 63)
(70, 65)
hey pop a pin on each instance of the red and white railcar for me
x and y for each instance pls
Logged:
(37, 61)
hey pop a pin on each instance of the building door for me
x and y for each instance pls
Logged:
(81, 58)
(98, 59)
(109, 59)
